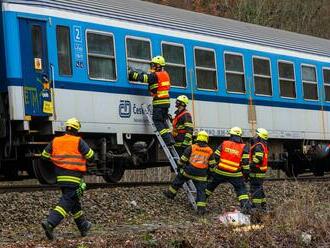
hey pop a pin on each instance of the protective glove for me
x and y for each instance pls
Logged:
(81, 189)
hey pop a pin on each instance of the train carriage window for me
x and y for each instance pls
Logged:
(326, 80)
(309, 82)
(206, 69)
(262, 76)
(138, 53)
(175, 63)
(234, 69)
(287, 79)
(101, 56)
(37, 46)
(63, 50)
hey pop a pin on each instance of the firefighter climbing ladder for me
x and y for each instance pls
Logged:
(172, 156)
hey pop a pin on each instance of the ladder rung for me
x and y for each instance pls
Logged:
(172, 156)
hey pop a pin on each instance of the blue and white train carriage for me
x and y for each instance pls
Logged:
(236, 74)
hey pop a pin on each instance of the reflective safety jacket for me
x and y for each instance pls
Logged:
(65, 153)
(200, 156)
(158, 83)
(162, 95)
(196, 160)
(182, 128)
(259, 158)
(231, 156)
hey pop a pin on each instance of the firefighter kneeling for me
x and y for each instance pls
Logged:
(232, 157)
(194, 163)
(68, 153)
(258, 168)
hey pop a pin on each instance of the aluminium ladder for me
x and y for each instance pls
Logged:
(172, 156)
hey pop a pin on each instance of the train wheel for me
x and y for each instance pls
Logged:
(291, 170)
(318, 170)
(10, 170)
(117, 171)
(44, 171)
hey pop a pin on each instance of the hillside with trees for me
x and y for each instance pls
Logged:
(310, 17)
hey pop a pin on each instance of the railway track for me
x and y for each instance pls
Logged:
(31, 188)
(300, 179)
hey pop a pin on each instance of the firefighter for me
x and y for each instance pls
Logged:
(232, 159)
(194, 163)
(159, 86)
(69, 154)
(258, 168)
(182, 125)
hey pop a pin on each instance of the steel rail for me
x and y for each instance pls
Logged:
(31, 188)
(300, 179)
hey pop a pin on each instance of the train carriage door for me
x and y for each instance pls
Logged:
(35, 68)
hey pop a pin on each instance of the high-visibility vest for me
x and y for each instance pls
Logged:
(231, 156)
(164, 85)
(264, 165)
(66, 155)
(175, 122)
(200, 156)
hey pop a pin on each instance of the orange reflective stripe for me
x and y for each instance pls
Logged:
(65, 153)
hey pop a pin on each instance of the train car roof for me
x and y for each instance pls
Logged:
(183, 20)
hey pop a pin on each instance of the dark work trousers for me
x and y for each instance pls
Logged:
(159, 117)
(69, 203)
(180, 149)
(257, 192)
(236, 182)
(200, 187)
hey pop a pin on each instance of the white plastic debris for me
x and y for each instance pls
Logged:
(235, 218)
(133, 203)
(306, 238)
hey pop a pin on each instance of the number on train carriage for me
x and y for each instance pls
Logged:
(35, 68)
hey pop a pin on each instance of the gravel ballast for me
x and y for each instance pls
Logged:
(143, 217)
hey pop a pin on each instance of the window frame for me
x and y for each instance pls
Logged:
(215, 69)
(184, 57)
(234, 72)
(324, 83)
(294, 78)
(71, 57)
(263, 76)
(310, 82)
(150, 46)
(93, 31)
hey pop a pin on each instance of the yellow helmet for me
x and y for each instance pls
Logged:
(262, 133)
(158, 60)
(184, 99)
(202, 136)
(74, 123)
(236, 131)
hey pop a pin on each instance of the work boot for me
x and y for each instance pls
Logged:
(169, 195)
(84, 228)
(48, 229)
(201, 211)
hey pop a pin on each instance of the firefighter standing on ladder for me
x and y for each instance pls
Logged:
(182, 125)
(159, 86)
(194, 162)
(68, 153)
(258, 168)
